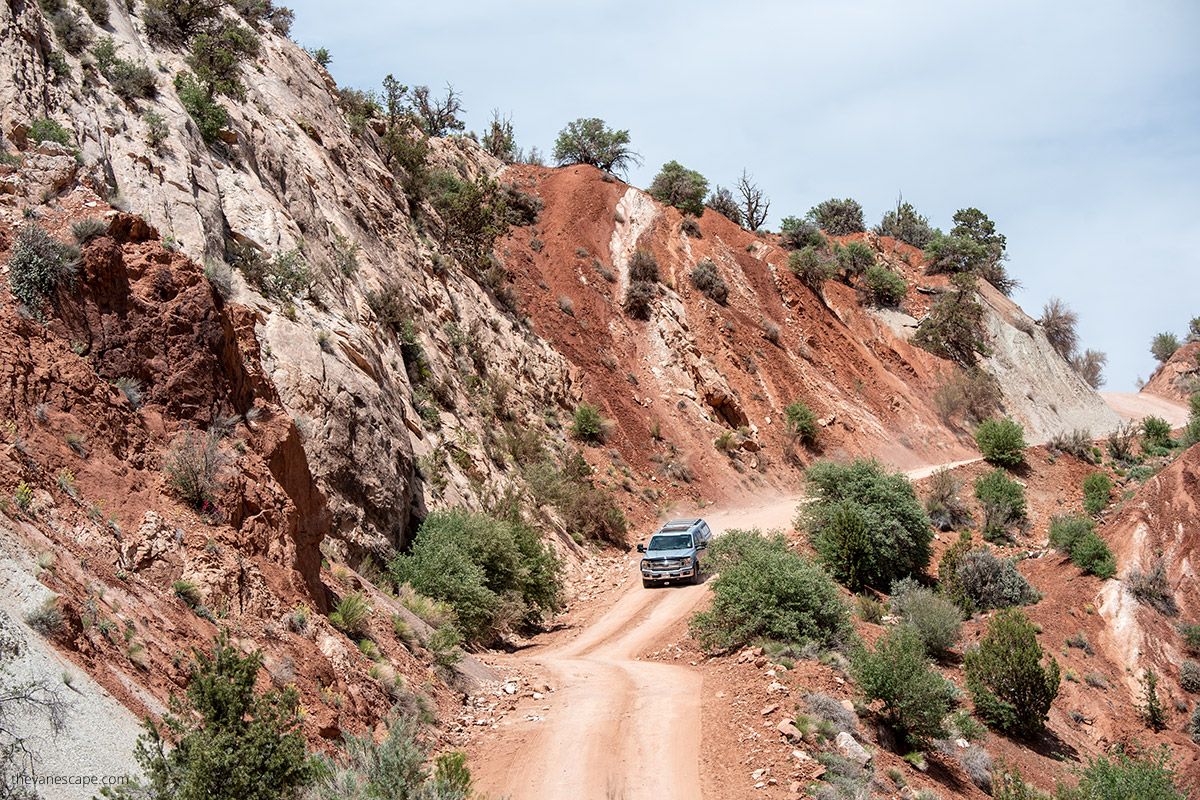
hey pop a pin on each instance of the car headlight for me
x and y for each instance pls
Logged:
(687, 562)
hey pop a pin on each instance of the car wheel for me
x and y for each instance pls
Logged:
(647, 584)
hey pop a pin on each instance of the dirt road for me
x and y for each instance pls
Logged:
(1136, 405)
(615, 726)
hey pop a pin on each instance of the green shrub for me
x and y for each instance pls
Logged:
(945, 509)
(837, 217)
(188, 592)
(1091, 554)
(216, 56)
(763, 589)
(589, 423)
(1190, 633)
(1077, 443)
(1189, 676)
(1153, 588)
(224, 735)
(643, 267)
(257, 12)
(1097, 489)
(1090, 366)
(1009, 785)
(72, 30)
(884, 287)
(584, 508)
(935, 618)
(128, 80)
(708, 280)
(1058, 323)
(1011, 689)
(192, 466)
(984, 580)
(87, 229)
(639, 297)
(678, 186)
(1120, 441)
(590, 141)
(209, 115)
(288, 276)
(38, 264)
(495, 573)
(1002, 501)
(915, 697)
(48, 130)
(46, 618)
(1145, 775)
(1163, 346)
(1002, 441)
(801, 422)
(474, 214)
(971, 224)
(811, 267)
(1157, 431)
(351, 615)
(906, 225)
(394, 767)
(971, 394)
(954, 326)
(723, 202)
(865, 523)
(800, 233)
(853, 260)
(1067, 530)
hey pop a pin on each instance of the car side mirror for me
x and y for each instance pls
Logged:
(641, 548)
(702, 546)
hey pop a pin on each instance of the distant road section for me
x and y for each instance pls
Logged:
(1137, 405)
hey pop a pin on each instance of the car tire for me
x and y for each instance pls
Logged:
(647, 584)
(696, 576)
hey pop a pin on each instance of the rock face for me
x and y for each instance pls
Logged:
(1041, 390)
(145, 317)
(1177, 378)
(409, 371)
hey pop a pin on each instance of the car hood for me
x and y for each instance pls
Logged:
(684, 553)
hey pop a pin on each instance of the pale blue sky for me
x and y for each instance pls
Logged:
(1073, 125)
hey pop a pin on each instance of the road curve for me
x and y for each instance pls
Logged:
(616, 727)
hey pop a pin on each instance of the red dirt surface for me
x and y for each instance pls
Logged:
(1179, 376)
(119, 533)
(871, 390)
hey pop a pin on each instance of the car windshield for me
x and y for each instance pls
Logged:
(679, 541)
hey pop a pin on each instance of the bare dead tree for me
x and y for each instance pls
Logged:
(21, 702)
(754, 203)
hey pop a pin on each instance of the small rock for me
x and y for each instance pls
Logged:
(801, 756)
(771, 709)
(776, 687)
(510, 688)
(771, 782)
(907, 794)
(851, 749)
(795, 787)
(789, 731)
(962, 743)
(760, 662)
(757, 774)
